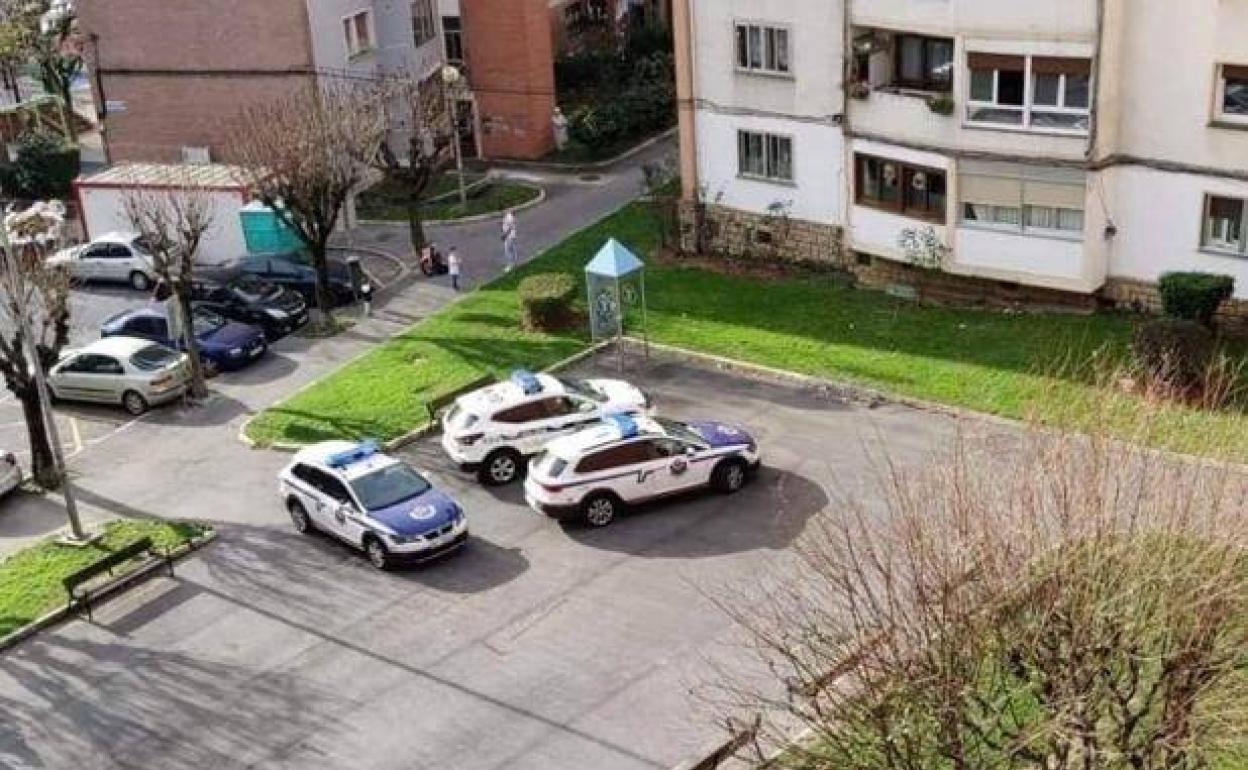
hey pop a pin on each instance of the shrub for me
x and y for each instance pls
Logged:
(941, 105)
(1173, 351)
(546, 301)
(44, 167)
(1194, 296)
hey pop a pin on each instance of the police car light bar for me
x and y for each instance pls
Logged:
(527, 381)
(361, 451)
(624, 423)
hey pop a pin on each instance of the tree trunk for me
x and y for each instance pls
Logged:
(67, 110)
(324, 301)
(42, 464)
(415, 225)
(199, 388)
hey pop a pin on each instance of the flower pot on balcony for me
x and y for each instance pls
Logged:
(941, 104)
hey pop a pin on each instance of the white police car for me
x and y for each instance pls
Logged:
(372, 501)
(493, 429)
(625, 460)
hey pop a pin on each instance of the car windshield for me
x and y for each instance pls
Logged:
(583, 388)
(205, 321)
(153, 357)
(680, 430)
(389, 486)
(253, 289)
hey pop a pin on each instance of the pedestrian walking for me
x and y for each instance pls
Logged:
(509, 241)
(452, 267)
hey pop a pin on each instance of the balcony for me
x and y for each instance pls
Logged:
(902, 85)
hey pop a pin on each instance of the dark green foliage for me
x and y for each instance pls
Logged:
(44, 168)
(639, 104)
(1176, 351)
(1194, 296)
(546, 301)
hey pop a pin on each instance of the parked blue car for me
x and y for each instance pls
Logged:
(223, 344)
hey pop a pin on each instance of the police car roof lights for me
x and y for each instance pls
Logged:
(355, 454)
(624, 423)
(527, 381)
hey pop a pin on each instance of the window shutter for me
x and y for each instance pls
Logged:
(1053, 65)
(1062, 196)
(995, 61)
(991, 190)
(1235, 71)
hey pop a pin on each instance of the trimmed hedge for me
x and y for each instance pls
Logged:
(1176, 351)
(44, 167)
(1194, 296)
(546, 301)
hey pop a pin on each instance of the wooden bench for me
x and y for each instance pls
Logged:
(74, 583)
(436, 405)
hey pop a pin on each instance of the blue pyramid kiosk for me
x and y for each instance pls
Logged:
(616, 282)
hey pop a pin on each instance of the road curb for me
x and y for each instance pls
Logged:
(589, 166)
(474, 219)
(119, 583)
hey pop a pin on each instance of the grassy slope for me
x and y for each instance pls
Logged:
(989, 361)
(30, 580)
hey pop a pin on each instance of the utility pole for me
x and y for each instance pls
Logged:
(17, 286)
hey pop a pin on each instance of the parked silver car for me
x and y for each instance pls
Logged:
(116, 257)
(135, 373)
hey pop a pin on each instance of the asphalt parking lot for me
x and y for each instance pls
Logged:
(538, 646)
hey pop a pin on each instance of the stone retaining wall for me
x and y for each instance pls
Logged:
(1142, 296)
(746, 235)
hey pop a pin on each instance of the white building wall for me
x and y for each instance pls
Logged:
(104, 211)
(1072, 20)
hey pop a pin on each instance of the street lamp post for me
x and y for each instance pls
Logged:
(16, 285)
(450, 77)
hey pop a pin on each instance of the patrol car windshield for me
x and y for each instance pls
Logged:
(680, 430)
(582, 388)
(389, 486)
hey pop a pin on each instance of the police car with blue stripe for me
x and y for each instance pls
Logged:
(374, 502)
(593, 474)
(493, 429)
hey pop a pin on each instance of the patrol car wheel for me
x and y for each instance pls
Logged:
(376, 551)
(599, 509)
(729, 476)
(500, 467)
(299, 517)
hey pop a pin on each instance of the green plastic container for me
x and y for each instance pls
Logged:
(264, 232)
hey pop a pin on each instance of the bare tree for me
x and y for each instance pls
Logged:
(174, 220)
(301, 155)
(35, 297)
(1054, 603)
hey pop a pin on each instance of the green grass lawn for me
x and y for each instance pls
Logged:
(386, 200)
(1008, 364)
(30, 580)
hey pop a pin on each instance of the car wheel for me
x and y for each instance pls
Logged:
(299, 517)
(600, 509)
(376, 551)
(133, 402)
(501, 467)
(139, 281)
(729, 476)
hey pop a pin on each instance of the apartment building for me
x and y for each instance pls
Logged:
(170, 79)
(1067, 151)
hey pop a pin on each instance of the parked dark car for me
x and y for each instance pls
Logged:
(295, 272)
(223, 344)
(243, 297)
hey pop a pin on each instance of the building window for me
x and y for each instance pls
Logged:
(1233, 92)
(424, 28)
(453, 39)
(1224, 224)
(925, 63)
(762, 48)
(1029, 200)
(765, 156)
(1058, 99)
(909, 190)
(357, 29)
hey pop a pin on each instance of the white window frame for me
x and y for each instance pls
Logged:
(763, 28)
(429, 21)
(1028, 106)
(350, 28)
(1220, 100)
(1224, 248)
(768, 159)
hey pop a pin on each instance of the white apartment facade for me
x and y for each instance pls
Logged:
(1075, 148)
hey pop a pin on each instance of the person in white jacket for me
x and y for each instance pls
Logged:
(509, 241)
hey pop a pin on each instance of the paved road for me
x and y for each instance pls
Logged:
(539, 646)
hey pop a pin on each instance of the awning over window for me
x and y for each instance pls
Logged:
(1235, 71)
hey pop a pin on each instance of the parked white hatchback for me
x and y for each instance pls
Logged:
(116, 257)
(493, 429)
(135, 373)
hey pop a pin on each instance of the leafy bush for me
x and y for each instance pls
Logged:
(1194, 296)
(1174, 351)
(546, 301)
(44, 168)
(635, 97)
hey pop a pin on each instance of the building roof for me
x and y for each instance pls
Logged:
(206, 175)
(614, 261)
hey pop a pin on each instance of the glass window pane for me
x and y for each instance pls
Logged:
(981, 85)
(993, 115)
(1046, 88)
(1070, 220)
(936, 194)
(890, 182)
(756, 47)
(782, 50)
(1224, 228)
(743, 49)
(870, 178)
(1044, 217)
(940, 63)
(911, 65)
(769, 49)
(1235, 97)
(783, 167)
(1077, 91)
(1010, 87)
(1062, 120)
